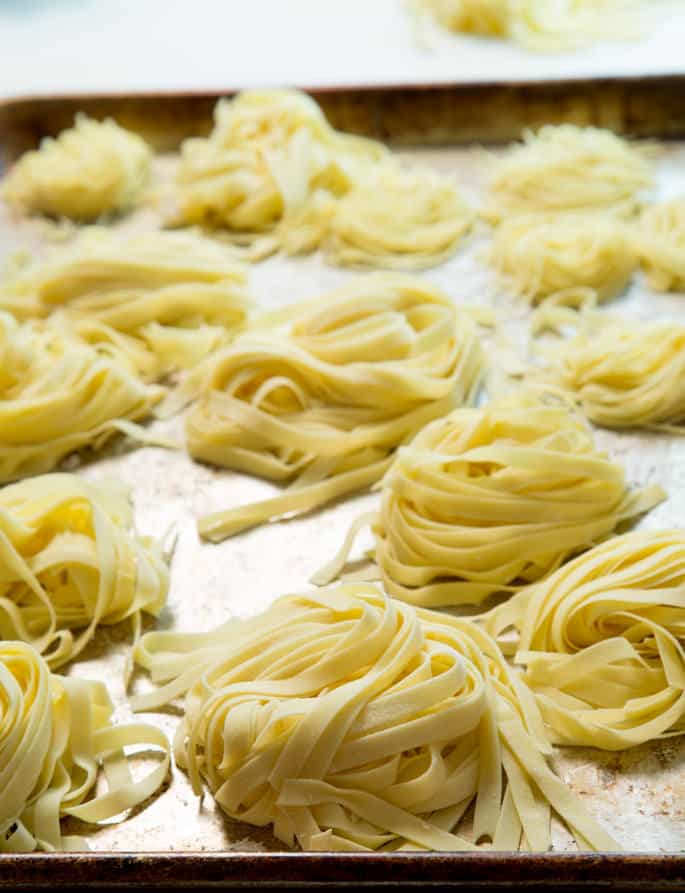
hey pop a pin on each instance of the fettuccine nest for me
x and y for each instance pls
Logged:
(660, 243)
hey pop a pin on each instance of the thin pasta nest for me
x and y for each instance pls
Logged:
(70, 561)
(349, 721)
(602, 642)
(324, 403)
(568, 168)
(56, 736)
(660, 242)
(488, 500)
(542, 255)
(94, 169)
(59, 394)
(181, 295)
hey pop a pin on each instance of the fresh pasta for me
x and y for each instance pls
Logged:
(94, 169)
(660, 243)
(488, 500)
(622, 374)
(70, 561)
(602, 642)
(59, 394)
(324, 404)
(350, 721)
(541, 255)
(180, 294)
(56, 735)
(568, 168)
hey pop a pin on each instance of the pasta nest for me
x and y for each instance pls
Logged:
(324, 404)
(55, 736)
(269, 152)
(93, 169)
(624, 375)
(568, 168)
(349, 721)
(179, 294)
(541, 255)
(70, 560)
(58, 394)
(602, 641)
(398, 219)
(488, 500)
(660, 243)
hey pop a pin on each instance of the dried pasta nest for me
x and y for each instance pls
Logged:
(70, 561)
(660, 243)
(541, 255)
(324, 402)
(349, 721)
(180, 295)
(56, 736)
(59, 394)
(91, 170)
(568, 168)
(602, 642)
(488, 500)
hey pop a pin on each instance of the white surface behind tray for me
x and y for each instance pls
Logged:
(67, 46)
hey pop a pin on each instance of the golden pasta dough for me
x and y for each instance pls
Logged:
(70, 561)
(602, 641)
(488, 500)
(623, 374)
(324, 403)
(55, 737)
(180, 294)
(349, 721)
(540, 255)
(59, 394)
(401, 219)
(568, 168)
(94, 169)
(660, 243)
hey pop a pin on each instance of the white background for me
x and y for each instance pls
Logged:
(67, 46)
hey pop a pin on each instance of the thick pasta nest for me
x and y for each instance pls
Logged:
(542, 254)
(93, 169)
(622, 374)
(180, 294)
(324, 404)
(56, 735)
(70, 561)
(660, 243)
(269, 152)
(59, 394)
(349, 721)
(542, 25)
(568, 168)
(602, 641)
(487, 500)
(398, 219)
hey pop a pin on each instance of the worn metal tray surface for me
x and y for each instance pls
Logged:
(178, 840)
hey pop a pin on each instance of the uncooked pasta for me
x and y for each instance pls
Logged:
(56, 736)
(602, 642)
(180, 294)
(488, 500)
(568, 168)
(401, 219)
(59, 394)
(324, 403)
(70, 561)
(349, 721)
(539, 255)
(623, 374)
(660, 244)
(94, 169)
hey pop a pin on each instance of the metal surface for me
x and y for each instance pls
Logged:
(639, 795)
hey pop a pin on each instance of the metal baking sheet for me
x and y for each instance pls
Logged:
(639, 795)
